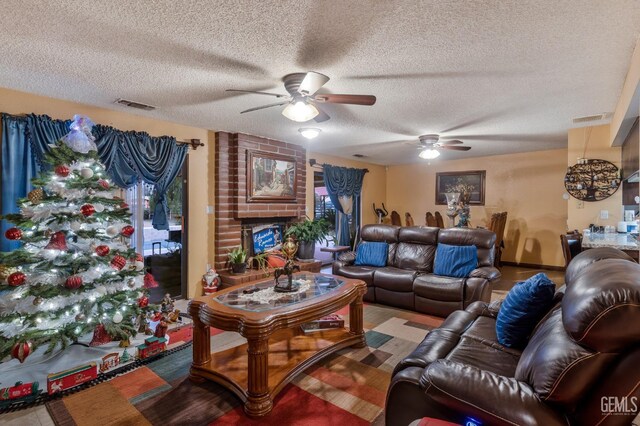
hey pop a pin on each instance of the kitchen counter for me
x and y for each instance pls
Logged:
(619, 241)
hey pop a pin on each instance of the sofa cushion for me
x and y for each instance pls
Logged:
(525, 305)
(439, 288)
(383, 233)
(416, 248)
(486, 357)
(372, 254)
(364, 273)
(455, 261)
(394, 279)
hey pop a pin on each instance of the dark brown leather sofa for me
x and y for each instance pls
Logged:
(407, 280)
(581, 359)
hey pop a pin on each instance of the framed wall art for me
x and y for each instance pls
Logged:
(271, 177)
(470, 183)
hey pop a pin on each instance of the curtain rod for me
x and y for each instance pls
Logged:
(314, 163)
(194, 143)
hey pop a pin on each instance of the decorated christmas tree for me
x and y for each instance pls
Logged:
(74, 273)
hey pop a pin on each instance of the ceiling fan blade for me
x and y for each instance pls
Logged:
(257, 92)
(322, 116)
(346, 99)
(451, 142)
(455, 148)
(312, 82)
(264, 106)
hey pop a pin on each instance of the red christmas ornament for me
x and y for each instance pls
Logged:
(143, 302)
(127, 231)
(100, 336)
(104, 184)
(149, 281)
(102, 250)
(87, 210)
(21, 351)
(62, 171)
(16, 279)
(13, 234)
(139, 258)
(58, 241)
(73, 282)
(118, 262)
(124, 205)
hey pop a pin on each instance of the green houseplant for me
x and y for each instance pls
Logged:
(238, 260)
(307, 233)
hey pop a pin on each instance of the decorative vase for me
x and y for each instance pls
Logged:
(452, 206)
(238, 268)
(306, 250)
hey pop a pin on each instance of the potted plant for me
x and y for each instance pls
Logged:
(238, 260)
(307, 233)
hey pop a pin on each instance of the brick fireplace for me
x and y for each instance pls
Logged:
(233, 212)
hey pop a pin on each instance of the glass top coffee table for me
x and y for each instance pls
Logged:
(276, 349)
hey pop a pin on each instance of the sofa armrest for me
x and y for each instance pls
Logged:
(345, 259)
(485, 396)
(487, 272)
(485, 309)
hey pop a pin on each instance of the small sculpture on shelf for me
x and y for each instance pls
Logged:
(167, 303)
(289, 249)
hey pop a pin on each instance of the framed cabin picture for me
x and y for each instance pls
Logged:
(270, 177)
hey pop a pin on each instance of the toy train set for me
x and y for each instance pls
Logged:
(64, 380)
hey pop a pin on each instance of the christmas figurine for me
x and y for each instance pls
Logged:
(167, 303)
(161, 328)
(125, 356)
(210, 281)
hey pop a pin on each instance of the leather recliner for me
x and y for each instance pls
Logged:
(579, 367)
(407, 281)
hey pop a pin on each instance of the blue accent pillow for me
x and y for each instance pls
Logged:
(455, 261)
(525, 305)
(372, 254)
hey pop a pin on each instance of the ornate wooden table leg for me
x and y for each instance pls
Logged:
(356, 321)
(259, 401)
(201, 341)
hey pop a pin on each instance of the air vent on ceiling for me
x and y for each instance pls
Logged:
(360, 155)
(133, 104)
(589, 118)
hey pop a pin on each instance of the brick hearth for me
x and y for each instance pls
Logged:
(231, 205)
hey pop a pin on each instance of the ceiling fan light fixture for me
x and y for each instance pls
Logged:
(300, 111)
(429, 154)
(309, 132)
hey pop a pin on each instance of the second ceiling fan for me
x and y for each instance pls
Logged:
(431, 144)
(303, 99)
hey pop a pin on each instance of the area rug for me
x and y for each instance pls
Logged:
(348, 387)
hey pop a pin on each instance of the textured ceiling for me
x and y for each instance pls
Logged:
(504, 76)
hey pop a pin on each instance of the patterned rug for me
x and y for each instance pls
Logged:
(348, 387)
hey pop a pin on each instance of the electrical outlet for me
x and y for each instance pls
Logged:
(209, 209)
(604, 214)
(580, 204)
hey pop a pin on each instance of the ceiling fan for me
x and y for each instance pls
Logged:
(303, 99)
(431, 144)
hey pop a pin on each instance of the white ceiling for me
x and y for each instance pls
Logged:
(504, 76)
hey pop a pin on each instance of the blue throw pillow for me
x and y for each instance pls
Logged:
(455, 261)
(525, 305)
(372, 254)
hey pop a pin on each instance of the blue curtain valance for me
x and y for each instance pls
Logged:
(343, 182)
(129, 156)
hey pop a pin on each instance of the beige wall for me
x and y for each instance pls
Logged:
(373, 186)
(15, 102)
(581, 214)
(529, 186)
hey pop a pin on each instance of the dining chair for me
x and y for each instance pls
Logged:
(439, 220)
(571, 246)
(408, 219)
(497, 224)
(395, 218)
(430, 220)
